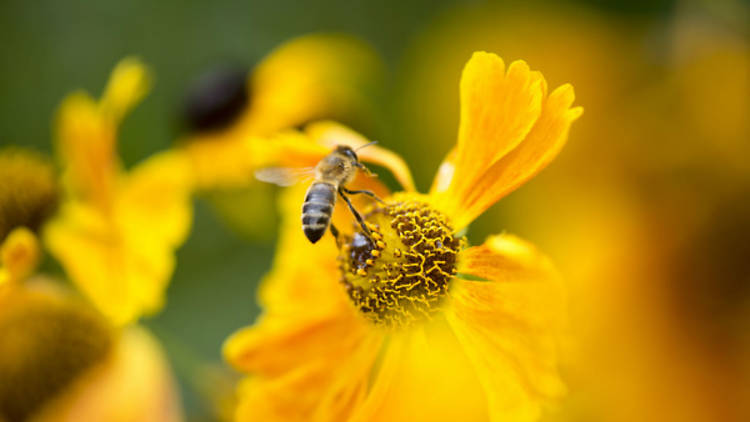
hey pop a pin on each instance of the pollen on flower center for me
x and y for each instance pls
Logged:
(400, 273)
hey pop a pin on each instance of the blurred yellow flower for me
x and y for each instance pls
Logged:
(116, 232)
(60, 360)
(307, 78)
(407, 323)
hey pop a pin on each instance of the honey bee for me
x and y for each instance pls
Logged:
(331, 175)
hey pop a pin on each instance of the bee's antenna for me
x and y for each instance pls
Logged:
(366, 145)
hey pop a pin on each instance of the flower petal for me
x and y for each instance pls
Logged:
(333, 134)
(304, 367)
(540, 147)
(338, 72)
(304, 276)
(129, 83)
(326, 389)
(19, 255)
(511, 326)
(123, 275)
(155, 200)
(424, 376)
(498, 110)
(87, 146)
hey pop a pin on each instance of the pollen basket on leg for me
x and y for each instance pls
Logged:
(401, 272)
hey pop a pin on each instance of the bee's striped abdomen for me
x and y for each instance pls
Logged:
(317, 210)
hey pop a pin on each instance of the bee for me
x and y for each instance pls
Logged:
(331, 175)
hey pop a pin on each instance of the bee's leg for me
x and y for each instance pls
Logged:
(369, 193)
(335, 233)
(359, 218)
(366, 170)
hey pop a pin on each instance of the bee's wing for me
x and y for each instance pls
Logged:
(284, 176)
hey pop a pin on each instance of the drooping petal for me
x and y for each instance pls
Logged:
(540, 147)
(424, 376)
(123, 275)
(511, 326)
(325, 389)
(333, 134)
(498, 109)
(154, 202)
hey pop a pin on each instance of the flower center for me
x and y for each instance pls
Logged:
(402, 271)
(47, 342)
(28, 191)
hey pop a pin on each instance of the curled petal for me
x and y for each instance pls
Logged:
(540, 147)
(511, 326)
(498, 109)
(510, 130)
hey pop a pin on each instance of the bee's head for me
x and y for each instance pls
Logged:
(216, 98)
(348, 152)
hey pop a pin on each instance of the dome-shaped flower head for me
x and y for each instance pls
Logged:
(406, 321)
(61, 361)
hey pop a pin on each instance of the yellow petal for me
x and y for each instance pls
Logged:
(332, 134)
(338, 73)
(424, 376)
(19, 255)
(511, 326)
(304, 276)
(305, 368)
(540, 147)
(121, 273)
(128, 84)
(498, 110)
(155, 202)
(87, 148)
(321, 390)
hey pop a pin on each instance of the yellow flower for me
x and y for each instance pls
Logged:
(61, 361)
(116, 232)
(408, 324)
(307, 78)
